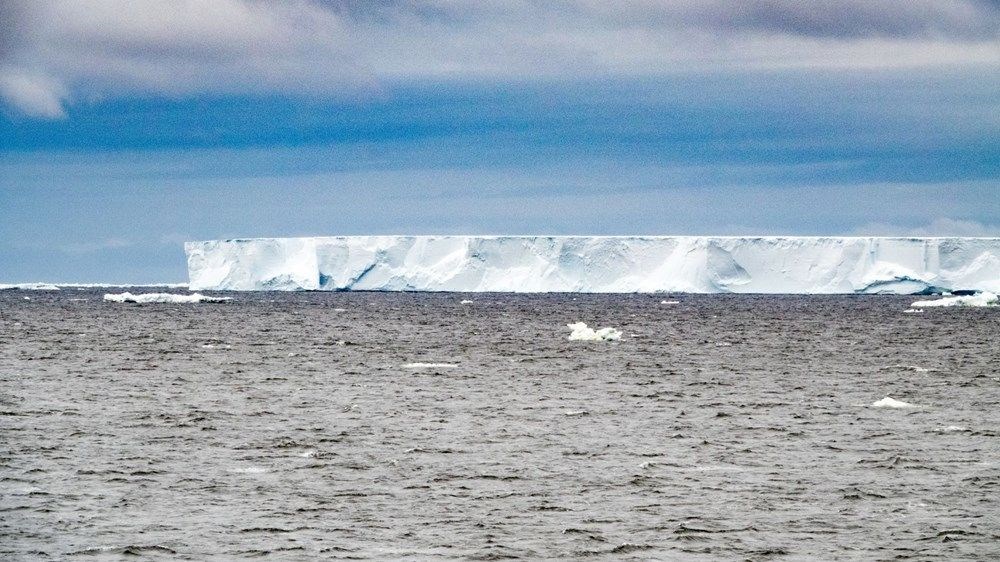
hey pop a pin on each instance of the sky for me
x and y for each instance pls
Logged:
(130, 126)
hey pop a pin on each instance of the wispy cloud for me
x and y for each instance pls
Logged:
(95, 246)
(52, 51)
(937, 227)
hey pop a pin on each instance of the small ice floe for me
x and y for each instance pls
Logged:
(912, 311)
(308, 454)
(985, 298)
(466, 301)
(215, 346)
(889, 402)
(952, 429)
(335, 310)
(576, 413)
(26, 298)
(670, 302)
(429, 365)
(162, 298)
(585, 333)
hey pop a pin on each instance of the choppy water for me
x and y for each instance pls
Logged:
(286, 425)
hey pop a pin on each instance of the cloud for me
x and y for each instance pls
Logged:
(937, 227)
(56, 51)
(36, 96)
(96, 246)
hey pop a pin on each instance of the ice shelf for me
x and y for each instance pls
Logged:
(599, 264)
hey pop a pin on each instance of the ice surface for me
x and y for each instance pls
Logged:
(601, 264)
(585, 333)
(162, 298)
(985, 298)
(888, 402)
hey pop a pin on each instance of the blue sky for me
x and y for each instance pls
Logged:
(127, 128)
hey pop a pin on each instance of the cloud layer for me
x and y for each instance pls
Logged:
(57, 52)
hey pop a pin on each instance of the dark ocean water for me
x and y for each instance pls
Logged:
(289, 426)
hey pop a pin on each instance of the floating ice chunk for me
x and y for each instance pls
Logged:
(985, 298)
(585, 333)
(162, 298)
(574, 413)
(466, 302)
(953, 429)
(430, 366)
(913, 311)
(670, 302)
(888, 402)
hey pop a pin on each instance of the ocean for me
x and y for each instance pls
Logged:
(303, 426)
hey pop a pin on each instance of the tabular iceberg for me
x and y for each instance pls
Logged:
(599, 264)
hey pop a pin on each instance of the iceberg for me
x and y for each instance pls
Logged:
(598, 264)
(28, 287)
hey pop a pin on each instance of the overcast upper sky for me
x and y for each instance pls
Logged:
(127, 127)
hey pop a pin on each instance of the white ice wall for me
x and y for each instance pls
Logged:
(597, 264)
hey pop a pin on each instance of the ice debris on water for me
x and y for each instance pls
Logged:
(429, 366)
(889, 402)
(466, 301)
(984, 298)
(583, 332)
(162, 298)
(670, 302)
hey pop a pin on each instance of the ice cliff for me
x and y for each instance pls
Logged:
(602, 264)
